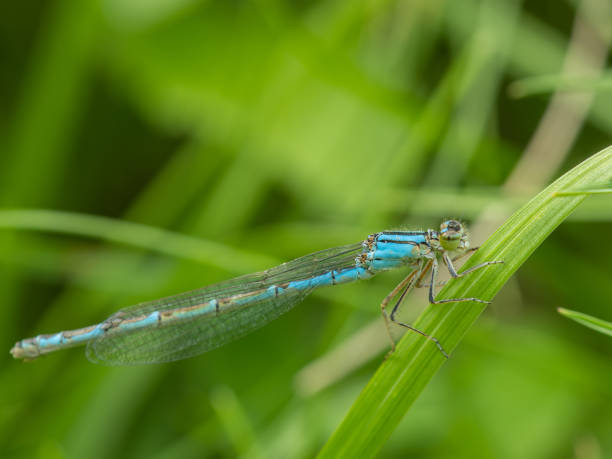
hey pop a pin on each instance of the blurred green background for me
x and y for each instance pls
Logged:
(255, 132)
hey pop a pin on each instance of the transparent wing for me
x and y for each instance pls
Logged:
(181, 339)
(188, 338)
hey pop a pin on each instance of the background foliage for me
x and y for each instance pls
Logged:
(254, 132)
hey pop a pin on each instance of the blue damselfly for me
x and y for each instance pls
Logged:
(194, 322)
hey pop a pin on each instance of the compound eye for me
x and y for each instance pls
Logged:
(453, 225)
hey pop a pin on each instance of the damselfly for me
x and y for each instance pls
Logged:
(194, 322)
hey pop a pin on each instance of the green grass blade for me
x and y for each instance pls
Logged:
(401, 378)
(549, 83)
(135, 234)
(606, 189)
(594, 323)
